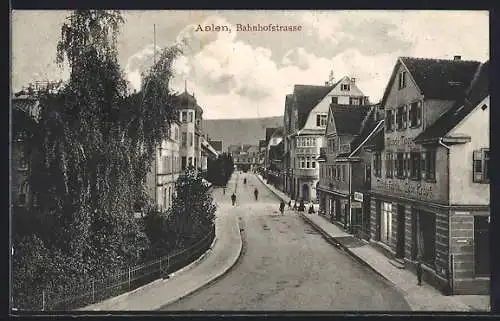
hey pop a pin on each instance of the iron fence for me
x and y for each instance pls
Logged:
(127, 280)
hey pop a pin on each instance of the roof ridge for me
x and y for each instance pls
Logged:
(438, 59)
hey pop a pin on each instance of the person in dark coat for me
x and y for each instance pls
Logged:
(311, 209)
(302, 206)
(419, 272)
(233, 198)
(282, 206)
(290, 204)
(256, 194)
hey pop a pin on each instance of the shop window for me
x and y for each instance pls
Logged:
(481, 166)
(386, 223)
(415, 114)
(388, 164)
(427, 237)
(377, 164)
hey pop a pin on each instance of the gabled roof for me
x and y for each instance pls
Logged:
(308, 97)
(436, 78)
(348, 118)
(477, 91)
(367, 131)
(376, 141)
(216, 144)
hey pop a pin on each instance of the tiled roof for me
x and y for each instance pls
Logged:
(348, 118)
(437, 78)
(216, 144)
(308, 97)
(377, 140)
(441, 79)
(477, 91)
(367, 129)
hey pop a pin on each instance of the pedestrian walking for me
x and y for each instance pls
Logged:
(256, 194)
(290, 204)
(282, 206)
(311, 209)
(224, 190)
(419, 272)
(233, 198)
(295, 205)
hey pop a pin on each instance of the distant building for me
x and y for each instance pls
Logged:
(306, 112)
(244, 156)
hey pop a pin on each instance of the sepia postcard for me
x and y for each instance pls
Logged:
(250, 161)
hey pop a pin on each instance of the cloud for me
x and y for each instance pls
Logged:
(232, 78)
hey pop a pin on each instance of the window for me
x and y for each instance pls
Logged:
(184, 139)
(415, 165)
(335, 100)
(377, 164)
(401, 118)
(165, 164)
(308, 162)
(389, 165)
(481, 159)
(23, 162)
(190, 161)
(386, 222)
(184, 116)
(190, 117)
(407, 165)
(400, 165)
(428, 166)
(176, 133)
(190, 139)
(302, 163)
(313, 164)
(402, 79)
(389, 120)
(415, 114)
(353, 101)
(183, 162)
(321, 120)
(345, 87)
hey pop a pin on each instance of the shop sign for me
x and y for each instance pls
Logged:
(355, 205)
(358, 197)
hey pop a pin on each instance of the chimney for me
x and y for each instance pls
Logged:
(353, 80)
(457, 57)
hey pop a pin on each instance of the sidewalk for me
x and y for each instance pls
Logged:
(213, 264)
(420, 298)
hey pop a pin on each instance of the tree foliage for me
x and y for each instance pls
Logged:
(219, 171)
(93, 146)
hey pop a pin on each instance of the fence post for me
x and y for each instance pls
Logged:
(93, 292)
(43, 300)
(129, 277)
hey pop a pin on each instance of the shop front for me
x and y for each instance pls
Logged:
(360, 215)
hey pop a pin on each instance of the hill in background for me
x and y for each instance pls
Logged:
(239, 131)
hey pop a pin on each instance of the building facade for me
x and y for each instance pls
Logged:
(245, 157)
(190, 117)
(419, 210)
(345, 167)
(306, 112)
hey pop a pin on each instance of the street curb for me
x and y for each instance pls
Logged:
(123, 296)
(213, 279)
(339, 245)
(269, 188)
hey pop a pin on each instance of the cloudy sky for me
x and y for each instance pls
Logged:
(247, 74)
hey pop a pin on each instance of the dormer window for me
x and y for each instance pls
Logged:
(345, 87)
(335, 100)
(402, 79)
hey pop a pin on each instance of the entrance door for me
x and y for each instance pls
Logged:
(305, 192)
(400, 246)
(481, 246)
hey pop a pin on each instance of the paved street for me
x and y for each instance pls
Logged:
(286, 265)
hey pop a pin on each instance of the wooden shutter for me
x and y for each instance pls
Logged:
(424, 167)
(419, 113)
(477, 166)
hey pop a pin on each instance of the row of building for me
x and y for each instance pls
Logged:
(409, 174)
(185, 146)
